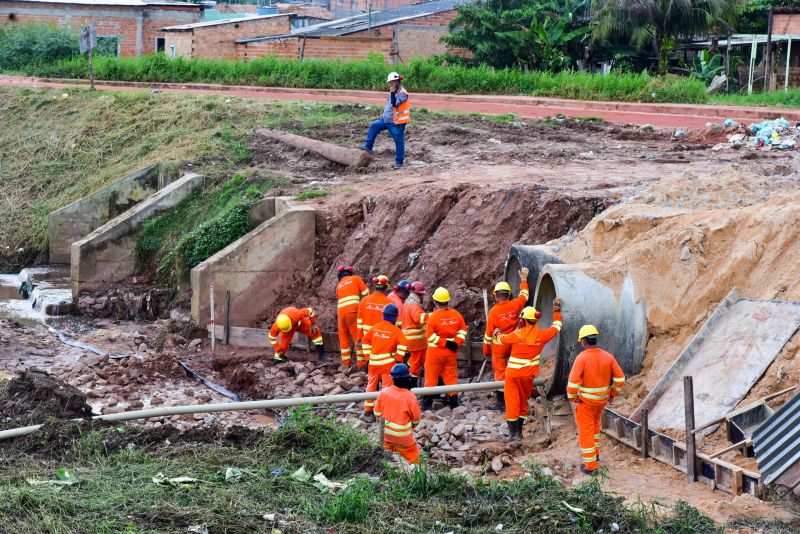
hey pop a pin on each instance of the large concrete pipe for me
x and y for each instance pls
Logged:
(533, 257)
(621, 320)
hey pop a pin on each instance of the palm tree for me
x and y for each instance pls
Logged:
(655, 24)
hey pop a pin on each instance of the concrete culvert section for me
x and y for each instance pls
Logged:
(621, 320)
(531, 257)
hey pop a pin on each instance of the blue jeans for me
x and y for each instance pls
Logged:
(398, 133)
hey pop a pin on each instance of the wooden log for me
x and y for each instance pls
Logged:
(719, 453)
(691, 447)
(352, 157)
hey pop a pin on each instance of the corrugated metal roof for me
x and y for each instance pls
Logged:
(362, 22)
(777, 441)
(238, 8)
(186, 27)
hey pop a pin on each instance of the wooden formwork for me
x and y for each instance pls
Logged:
(717, 473)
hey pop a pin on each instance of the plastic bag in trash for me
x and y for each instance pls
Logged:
(730, 122)
(781, 122)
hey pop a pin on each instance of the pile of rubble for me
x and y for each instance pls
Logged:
(767, 135)
(126, 304)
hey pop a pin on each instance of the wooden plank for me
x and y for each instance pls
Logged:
(691, 446)
(645, 434)
(736, 482)
(719, 453)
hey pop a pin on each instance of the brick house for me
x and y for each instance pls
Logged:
(399, 34)
(134, 26)
(216, 39)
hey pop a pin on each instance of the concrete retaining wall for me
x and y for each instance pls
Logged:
(107, 255)
(277, 253)
(72, 222)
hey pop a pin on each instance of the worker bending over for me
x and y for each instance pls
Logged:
(289, 321)
(396, 115)
(504, 316)
(595, 379)
(401, 414)
(526, 344)
(349, 292)
(399, 295)
(445, 332)
(413, 324)
(370, 313)
(386, 346)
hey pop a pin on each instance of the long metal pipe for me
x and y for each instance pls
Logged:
(264, 404)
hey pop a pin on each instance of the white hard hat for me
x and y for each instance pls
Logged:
(393, 77)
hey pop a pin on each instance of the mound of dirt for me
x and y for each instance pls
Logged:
(686, 241)
(35, 397)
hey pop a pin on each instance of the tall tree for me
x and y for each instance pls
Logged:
(533, 34)
(656, 24)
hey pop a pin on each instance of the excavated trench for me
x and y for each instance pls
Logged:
(457, 237)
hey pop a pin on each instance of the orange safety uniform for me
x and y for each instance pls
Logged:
(595, 377)
(303, 321)
(523, 364)
(395, 299)
(401, 414)
(386, 346)
(401, 113)
(413, 323)
(349, 292)
(443, 325)
(370, 313)
(505, 316)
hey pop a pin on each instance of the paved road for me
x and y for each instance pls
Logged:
(662, 115)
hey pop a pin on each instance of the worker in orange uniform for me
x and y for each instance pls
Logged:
(413, 324)
(401, 414)
(595, 379)
(349, 292)
(526, 343)
(370, 313)
(445, 332)
(399, 295)
(289, 321)
(387, 346)
(505, 316)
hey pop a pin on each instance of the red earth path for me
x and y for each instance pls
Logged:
(661, 115)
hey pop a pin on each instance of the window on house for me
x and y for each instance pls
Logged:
(172, 52)
(107, 45)
(160, 44)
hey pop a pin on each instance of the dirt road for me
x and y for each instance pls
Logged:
(662, 115)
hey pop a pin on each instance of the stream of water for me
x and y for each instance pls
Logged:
(52, 291)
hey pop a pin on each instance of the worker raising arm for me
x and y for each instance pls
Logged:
(504, 316)
(526, 344)
(595, 379)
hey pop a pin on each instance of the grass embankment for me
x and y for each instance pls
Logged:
(55, 149)
(238, 485)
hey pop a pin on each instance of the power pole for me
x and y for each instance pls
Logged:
(768, 53)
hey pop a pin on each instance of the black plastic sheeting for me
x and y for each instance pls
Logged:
(216, 387)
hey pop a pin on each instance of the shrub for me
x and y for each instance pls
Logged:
(26, 45)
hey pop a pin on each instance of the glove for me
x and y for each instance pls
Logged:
(451, 345)
(557, 303)
(523, 274)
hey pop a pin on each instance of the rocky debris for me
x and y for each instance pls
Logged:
(36, 396)
(126, 304)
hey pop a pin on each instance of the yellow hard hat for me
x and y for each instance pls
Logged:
(441, 295)
(502, 286)
(284, 322)
(529, 313)
(587, 330)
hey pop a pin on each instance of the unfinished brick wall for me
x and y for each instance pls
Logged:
(419, 41)
(182, 41)
(344, 47)
(135, 27)
(217, 41)
(786, 24)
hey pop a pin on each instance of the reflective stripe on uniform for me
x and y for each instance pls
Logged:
(524, 292)
(519, 363)
(557, 325)
(461, 334)
(348, 301)
(382, 359)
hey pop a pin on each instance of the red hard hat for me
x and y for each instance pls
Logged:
(418, 287)
(381, 280)
(345, 268)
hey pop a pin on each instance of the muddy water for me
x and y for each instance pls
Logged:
(52, 286)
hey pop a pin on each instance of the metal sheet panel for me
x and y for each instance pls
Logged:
(727, 361)
(777, 441)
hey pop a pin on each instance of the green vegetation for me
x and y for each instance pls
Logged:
(240, 482)
(790, 99)
(198, 227)
(28, 45)
(312, 193)
(60, 145)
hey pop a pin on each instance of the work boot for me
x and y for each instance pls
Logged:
(365, 149)
(520, 423)
(427, 402)
(367, 417)
(590, 472)
(397, 165)
(321, 356)
(452, 400)
(514, 434)
(500, 402)
(278, 359)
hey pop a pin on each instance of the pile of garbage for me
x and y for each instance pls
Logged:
(776, 134)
